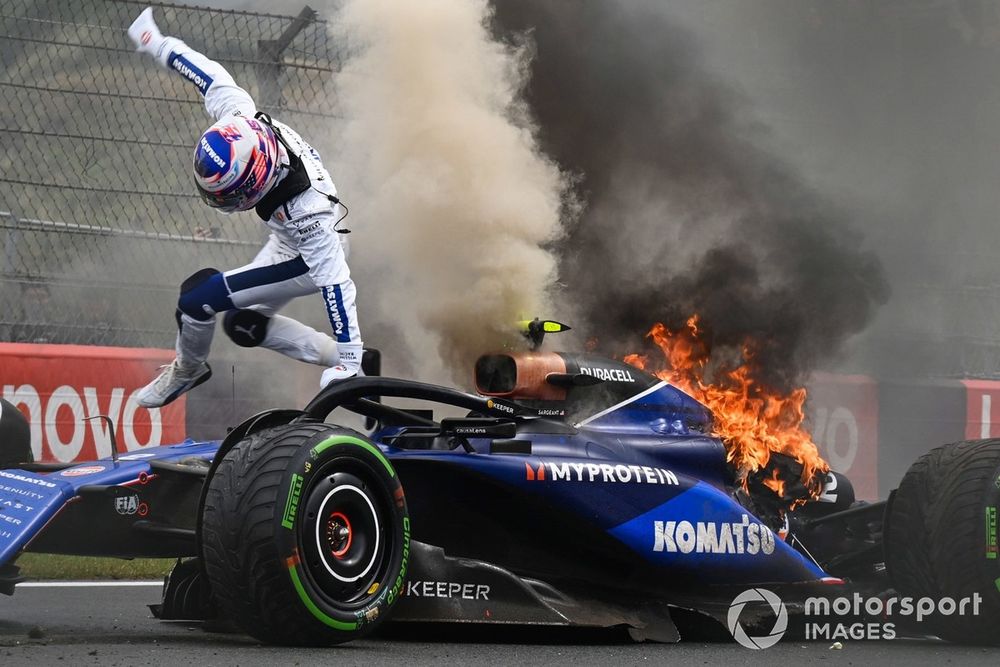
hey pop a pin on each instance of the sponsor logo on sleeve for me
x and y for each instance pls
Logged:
(190, 72)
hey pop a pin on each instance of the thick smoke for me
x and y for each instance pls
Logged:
(686, 212)
(894, 107)
(452, 202)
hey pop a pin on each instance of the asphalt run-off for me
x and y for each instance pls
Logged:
(108, 623)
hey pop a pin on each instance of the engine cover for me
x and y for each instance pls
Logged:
(574, 381)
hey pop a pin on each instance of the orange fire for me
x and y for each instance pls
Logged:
(751, 420)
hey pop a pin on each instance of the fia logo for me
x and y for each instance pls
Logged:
(126, 505)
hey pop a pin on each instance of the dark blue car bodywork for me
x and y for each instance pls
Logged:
(607, 520)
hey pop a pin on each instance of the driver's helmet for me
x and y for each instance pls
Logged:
(236, 163)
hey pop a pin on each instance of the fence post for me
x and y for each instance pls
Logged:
(270, 51)
(10, 243)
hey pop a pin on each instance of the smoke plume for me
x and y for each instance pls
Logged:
(685, 211)
(452, 202)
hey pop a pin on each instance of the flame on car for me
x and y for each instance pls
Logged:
(762, 429)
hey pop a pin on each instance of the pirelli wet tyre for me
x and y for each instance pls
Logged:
(305, 535)
(941, 539)
(15, 436)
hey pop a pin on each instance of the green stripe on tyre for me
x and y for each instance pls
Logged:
(313, 609)
(351, 440)
(292, 571)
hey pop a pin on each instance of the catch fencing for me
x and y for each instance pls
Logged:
(99, 220)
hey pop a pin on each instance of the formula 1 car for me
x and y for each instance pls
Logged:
(571, 490)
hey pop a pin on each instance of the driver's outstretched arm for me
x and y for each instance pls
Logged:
(222, 96)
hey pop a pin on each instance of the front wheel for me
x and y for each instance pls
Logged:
(305, 535)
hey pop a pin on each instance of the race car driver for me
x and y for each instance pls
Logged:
(246, 161)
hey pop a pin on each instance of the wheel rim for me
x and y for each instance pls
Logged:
(344, 557)
(346, 535)
(338, 534)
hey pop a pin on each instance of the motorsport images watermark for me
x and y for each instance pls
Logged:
(836, 618)
(757, 595)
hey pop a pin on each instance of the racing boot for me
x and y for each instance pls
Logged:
(348, 366)
(172, 381)
(188, 369)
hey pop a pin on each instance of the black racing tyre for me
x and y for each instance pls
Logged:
(941, 537)
(15, 437)
(305, 535)
(907, 549)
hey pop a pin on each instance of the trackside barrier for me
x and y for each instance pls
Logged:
(58, 386)
(873, 430)
(982, 402)
(843, 414)
(870, 430)
(914, 417)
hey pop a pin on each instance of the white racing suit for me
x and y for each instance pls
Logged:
(304, 254)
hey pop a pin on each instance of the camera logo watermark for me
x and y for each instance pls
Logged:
(757, 596)
(854, 617)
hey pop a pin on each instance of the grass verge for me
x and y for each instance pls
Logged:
(53, 567)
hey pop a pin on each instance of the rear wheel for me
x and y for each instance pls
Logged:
(907, 542)
(305, 535)
(941, 538)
